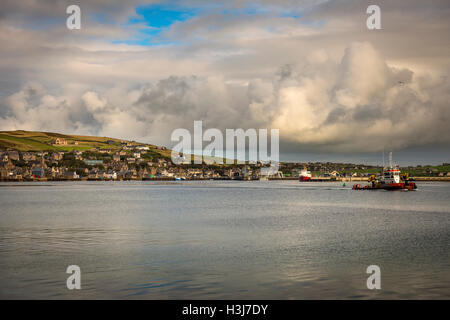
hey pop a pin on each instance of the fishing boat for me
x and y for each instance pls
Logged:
(389, 179)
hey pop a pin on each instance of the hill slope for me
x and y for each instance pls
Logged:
(22, 140)
(43, 141)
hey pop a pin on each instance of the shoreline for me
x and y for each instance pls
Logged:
(314, 179)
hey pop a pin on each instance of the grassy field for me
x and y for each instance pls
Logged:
(42, 141)
(426, 170)
(23, 143)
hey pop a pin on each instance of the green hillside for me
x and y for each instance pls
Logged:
(42, 141)
(22, 140)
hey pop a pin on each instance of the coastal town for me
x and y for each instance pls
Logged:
(129, 160)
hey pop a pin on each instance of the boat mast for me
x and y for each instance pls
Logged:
(390, 160)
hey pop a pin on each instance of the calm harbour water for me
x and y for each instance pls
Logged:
(223, 240)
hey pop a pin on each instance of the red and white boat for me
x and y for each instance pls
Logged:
(389, 179)
(305, 175)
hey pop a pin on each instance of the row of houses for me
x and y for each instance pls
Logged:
(135, 164)
(116, 171)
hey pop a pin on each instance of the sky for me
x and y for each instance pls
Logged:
(138, 70)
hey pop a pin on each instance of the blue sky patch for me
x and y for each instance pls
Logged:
(151, 20)
(161, 16)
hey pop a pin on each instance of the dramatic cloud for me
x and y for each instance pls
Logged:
(365, 106)
(309, 68)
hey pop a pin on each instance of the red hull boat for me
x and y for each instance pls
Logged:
(389, 179)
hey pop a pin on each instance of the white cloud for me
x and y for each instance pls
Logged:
(93, 102)
(323, 79)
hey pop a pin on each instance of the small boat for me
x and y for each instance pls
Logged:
(305, 175)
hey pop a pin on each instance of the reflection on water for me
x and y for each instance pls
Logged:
(218, 240)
